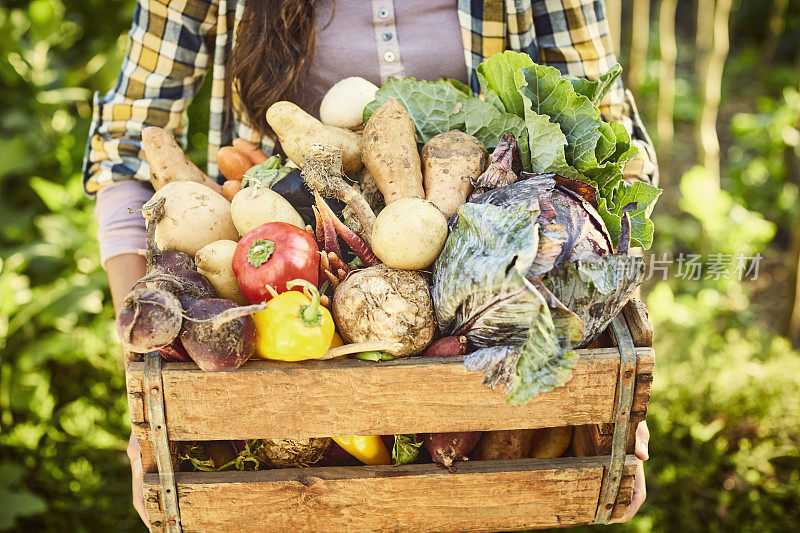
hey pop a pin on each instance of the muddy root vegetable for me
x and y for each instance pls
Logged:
(450, 163)
(188, 285)
(505, 444)
(194, 216)
(168, 163)
(389, 151)
(356, 243)
(550, 442)
(162, 261)
(174, 352)
(214, 261)
(448, 448)
(289, 453)
(148, 320)
(409, 234)
(214, 346)
(505, 166)
(382, 304)
(446, 347)
(297, 131)
(322, 172)
(254, 206)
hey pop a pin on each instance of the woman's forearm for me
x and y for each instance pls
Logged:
(123, 271)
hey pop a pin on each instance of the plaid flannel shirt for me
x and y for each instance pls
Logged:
(174, 43)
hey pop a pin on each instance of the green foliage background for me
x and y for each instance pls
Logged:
(725, 411)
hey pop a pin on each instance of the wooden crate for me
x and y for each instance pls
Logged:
(266, 399)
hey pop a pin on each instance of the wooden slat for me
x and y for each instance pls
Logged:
(641, 397)
(639, 323)
(479, 496)
(270, 399)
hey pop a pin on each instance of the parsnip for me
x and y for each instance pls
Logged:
(450, 162)
(168, 163)
(389, 151)
(297, 131)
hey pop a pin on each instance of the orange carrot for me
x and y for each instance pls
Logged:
(230, 188)
(256, 155)
(232, 163)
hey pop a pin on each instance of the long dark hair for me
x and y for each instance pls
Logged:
(275, 45)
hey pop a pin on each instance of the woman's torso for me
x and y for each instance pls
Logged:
(380, 39)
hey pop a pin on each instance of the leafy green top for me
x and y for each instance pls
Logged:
(554, 118)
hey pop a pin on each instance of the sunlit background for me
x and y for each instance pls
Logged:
(717, 84)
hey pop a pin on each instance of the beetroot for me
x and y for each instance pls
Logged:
(447, 448)
(174, 352)
(149, 319)
(169, 262)
(217, 338)
(447, 346)
(188, 285)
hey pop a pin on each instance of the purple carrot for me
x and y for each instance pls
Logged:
(356, 243)
(329, 230)
(319, 232)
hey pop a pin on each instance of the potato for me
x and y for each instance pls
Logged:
(214, 262)
(297, 131)
(389, 151)
(504, 444)
(254, 206)
(194, 216)
(450, 162)
(409, 234)
(344, 103)
(550, 442)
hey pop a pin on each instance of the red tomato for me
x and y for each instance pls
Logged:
(272, 254)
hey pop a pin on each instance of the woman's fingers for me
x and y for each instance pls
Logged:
(135, 458)
(642, 441)
(638, 497)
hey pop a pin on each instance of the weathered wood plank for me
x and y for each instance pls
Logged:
(639, 323)
(271, 399)
(479, 496)
(641, 397)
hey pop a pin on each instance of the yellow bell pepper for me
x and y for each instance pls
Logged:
(337, 340)
(293, 327)
(369, 450)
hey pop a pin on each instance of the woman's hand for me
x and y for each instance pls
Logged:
(639, 487)
(136, 477)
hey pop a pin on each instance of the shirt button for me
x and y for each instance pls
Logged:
(383, 13)
(389, 56)
(386, 36)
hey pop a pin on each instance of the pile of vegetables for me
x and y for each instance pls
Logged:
(496, 228)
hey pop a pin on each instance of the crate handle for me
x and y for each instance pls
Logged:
(622, 418)
(154, 387)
